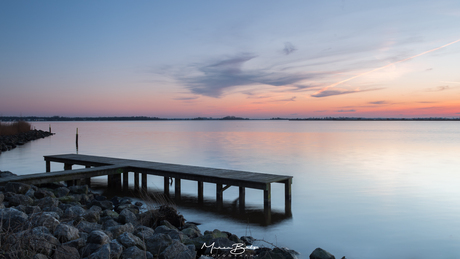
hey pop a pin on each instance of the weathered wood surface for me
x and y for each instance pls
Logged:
(187, 172)
(65, 175)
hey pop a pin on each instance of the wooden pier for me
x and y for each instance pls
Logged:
(118, 169)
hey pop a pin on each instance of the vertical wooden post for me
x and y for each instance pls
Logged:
(88, 180)
(144, 182)
(48, 166)
(166, 186)
(116, 179)
(136, 181)
(110, 183)
(125, 180)
(242, 198)
(50, 128)
(68, 167)
(200, 192)
(76, 140)
(267, 203)
(219, 196)
(177, 189)
(287, 196)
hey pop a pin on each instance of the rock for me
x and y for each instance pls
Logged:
(319, 253)
(89, 249)
(2, 196)
(42, 193)
(20, 199)
(77, 243)
(46, 219)
(157, 243)
(127, 216)
(105, 205)
(29, 209)
(30, 193)
(65, 233)
(115, 249)
(118, 230)
(66, 252)
(73, 212)
(177, 250)
(6, 173)
(36, 240)
(87, 227)
(248, 240)
(40, 256)
(18, 188)
(93, 214)
(143, 232)
(69, 199)
(102, 253)
(128, 239)
(47, 202)
(62, 191)
(13, 219)
(134, 252)
(173, 233)
(79, 189)
(108, 222)
(98, 237)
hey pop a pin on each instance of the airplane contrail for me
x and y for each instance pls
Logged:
(380, 68)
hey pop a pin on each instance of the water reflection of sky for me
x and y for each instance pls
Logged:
(360, 189)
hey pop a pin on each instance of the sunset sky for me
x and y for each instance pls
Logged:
(255, 59)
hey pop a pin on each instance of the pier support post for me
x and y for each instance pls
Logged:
(88, 180)
(219, 196)
(242, 198)
(136, 181)
(287, 196)
(177, 189)
(144, 182)
(110, 181)
(200, 192)
(267, 203)
(125, 180)
(48, 166)
(166, 186)
(69, 167)
(116, 180)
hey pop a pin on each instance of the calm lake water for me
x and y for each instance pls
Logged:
(360, 189)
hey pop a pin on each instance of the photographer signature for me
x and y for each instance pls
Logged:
(235, 249)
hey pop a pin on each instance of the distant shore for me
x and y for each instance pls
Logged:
(226, 118)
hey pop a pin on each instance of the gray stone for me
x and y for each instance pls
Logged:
(248, 240)
(77, 243)
(13, 219)
(118, 230)
(89, 249)
(47, 202)
(54, 209)
(98, 237)
(115, 249)
(191, 232)
(157, 243)
(42, 193)
(105, 205)
(87, 227)
(127, 216)
(62, 191)
(65, 233)
(20, 199)
(134, 252)
(102, 253)
(47, 219)
(319, 253)
(73, 212)
(128, 239)
(108, 222)
(93, 214)
(177, 250)
(66, 252)
(79, 189)
(143, 232)
(2, 196)
(173, 233)
(30, 193)
(40, 256)
(19, 188)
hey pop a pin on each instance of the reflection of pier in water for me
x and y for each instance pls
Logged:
(118, 171)
(231, 210)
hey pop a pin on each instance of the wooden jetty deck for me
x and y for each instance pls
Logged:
(115, 168)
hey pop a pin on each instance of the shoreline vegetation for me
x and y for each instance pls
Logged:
(146, 118)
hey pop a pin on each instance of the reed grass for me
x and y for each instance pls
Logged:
(14, 128)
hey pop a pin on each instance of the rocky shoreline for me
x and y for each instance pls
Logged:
(55, 221)
(8, 142)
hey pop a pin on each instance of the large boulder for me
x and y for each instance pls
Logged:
(177, 250)
(66, 252)
(20, 199)
(127, 216)
(128, 239)
(98, 237)
(157, 243)
(118, 230)
(320, 253)
(13, 219)
(65, 233)
(134, 252)
(19, 188)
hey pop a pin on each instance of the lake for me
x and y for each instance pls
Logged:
(361, 189)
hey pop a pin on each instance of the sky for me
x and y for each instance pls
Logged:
(254, 59)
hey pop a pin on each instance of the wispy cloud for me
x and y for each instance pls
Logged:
(439, 88)
(351, 110)
(186, 98)
(379, 102)
(288, 48)
(227, 73)
(327, 93)
(292, 99)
